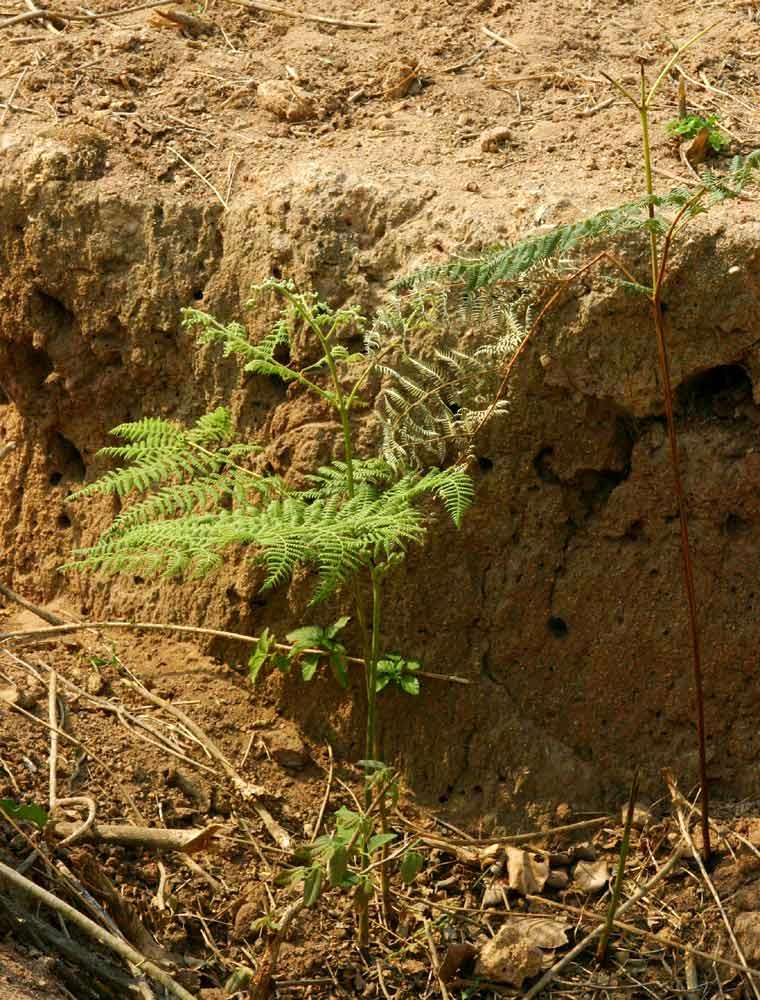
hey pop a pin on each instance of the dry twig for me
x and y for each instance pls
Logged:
(273, 8)
(63, 628)
(93, 930)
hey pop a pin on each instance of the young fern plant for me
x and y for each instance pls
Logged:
(190, 495)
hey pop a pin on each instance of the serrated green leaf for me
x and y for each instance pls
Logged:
(332, 630)
(411, 865)
(282, 662)
(337, 866)
(409, 685)
(339, 667)
(312, 885)
(30, 813)
(307, 635)
(259, 656)
(291, 876)
(379, 840)
(309, 666)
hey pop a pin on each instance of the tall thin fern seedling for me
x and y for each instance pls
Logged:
(539, 269)
(658, 267)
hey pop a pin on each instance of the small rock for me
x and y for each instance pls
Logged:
(509, 958)
(558, 880)
(9, 694)
(583, 852)
(493, 896)
(285, 100)
(493, 138)
(747, 929)
(748, 897)
(591, 876)
(287, 749)
(94, 683)
(401, 77)
(642, 817)
(30, 696)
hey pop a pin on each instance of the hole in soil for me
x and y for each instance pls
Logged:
(445, 797)
(557, 627)
(53, 310)
(63, 521)
(197, 294)
(34, 364)
(54, 478)
(71, 464)
(276, 272)
(542, 465)
(715, 392)
(486, 464)
(3, 397)
(736, 525)
(137, 580)
(634, 531)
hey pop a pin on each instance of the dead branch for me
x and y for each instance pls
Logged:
(261, 989)
(152, 838)
(57, 15)
(46, 616)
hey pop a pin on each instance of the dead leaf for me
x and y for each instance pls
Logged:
(9, 694)
(699, 148)
(509, 958)
(591, 876)
(456, 955)
(543, 932)
(527, 872)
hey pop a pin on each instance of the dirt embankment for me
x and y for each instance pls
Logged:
(560, 598)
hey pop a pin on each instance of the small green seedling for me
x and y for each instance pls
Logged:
(690, 126)
(394, 669)
(24, 813)
(354, 855)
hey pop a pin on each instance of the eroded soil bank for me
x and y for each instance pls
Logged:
(560, 598)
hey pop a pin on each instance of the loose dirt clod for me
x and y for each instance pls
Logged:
(509, 957)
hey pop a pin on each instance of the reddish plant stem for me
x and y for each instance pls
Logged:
(686, 563)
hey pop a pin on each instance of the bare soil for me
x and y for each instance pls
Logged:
(147, 167)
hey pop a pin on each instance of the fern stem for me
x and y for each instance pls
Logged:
(658, 277)
(371, 747)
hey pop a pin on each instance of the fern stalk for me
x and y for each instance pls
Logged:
(659, 271)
